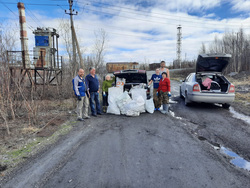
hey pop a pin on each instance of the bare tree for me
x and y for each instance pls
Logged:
(101, 39)
(203, 48)
(64, 29)
(7, 106)
(238, 45)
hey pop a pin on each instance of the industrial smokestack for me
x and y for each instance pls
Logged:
(23, 35)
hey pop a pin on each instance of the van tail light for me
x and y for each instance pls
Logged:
(231, 88)
(196, 88)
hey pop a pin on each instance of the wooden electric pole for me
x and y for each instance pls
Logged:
(72, 33)
(75, 44)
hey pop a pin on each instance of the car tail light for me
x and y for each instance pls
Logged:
(196, 87)
(231, 88)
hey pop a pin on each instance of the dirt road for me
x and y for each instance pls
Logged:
(153, 150)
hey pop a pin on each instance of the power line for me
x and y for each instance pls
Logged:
(161, 14)
(29, 26)
(193, 26)
(193, 21)
(39, 4)
(33, 16)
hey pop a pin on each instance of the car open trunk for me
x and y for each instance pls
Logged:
(210, 67)
(219, 84)
(133, 78)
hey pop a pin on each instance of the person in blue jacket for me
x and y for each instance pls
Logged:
(155, 79)
(80, 89)
(93, 88)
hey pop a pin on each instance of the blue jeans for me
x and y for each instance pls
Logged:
(94, 103)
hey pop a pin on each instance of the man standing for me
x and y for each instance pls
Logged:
(80, 88)
(156, 79)
(93, 88)
(163, 68)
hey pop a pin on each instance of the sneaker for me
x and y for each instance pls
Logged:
(94, 115)
(156, 109)
(100, 113)
(86, 117)
(80, 119)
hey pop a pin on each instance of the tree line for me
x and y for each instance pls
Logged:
(235, 43)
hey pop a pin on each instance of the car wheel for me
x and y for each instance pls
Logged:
(226, 106)
(181, 96)
(187, 102)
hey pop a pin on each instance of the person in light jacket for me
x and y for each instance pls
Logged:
(80, 89)
(164, 92)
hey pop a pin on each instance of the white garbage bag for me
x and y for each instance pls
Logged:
(137, 92)
(122, 100)
(150, 106)
(135, 107)
(114, 93)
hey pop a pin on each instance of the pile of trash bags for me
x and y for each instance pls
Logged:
(121, 103)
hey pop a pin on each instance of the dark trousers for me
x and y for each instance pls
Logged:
(94, 103)
(105, 100)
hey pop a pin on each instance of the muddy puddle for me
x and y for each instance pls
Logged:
(239, 116)
(236, 160)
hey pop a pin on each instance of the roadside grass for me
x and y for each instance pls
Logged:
(12, 157)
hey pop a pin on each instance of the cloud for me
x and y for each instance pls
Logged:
(143, 29)
(240, 5)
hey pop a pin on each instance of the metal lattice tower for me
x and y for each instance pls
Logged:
(178, 46)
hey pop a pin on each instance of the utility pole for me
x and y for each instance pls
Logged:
(178, 46)
(72, 31)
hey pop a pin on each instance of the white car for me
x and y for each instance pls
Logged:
(207, 84)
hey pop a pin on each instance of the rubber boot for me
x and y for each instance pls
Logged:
(167, 108)
(164, 111)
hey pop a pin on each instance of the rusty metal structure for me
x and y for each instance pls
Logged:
(45, 68)
(117, 66)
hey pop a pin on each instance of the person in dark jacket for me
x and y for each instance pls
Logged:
(93, 88)
(80, 88)
(164, 92)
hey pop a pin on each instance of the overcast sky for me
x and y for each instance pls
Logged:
(142, 31)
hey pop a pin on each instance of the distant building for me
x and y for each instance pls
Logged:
(153, 66)
(117, 66)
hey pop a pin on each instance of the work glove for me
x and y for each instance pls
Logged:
(79, 98)
(104, 94)
(169, 94)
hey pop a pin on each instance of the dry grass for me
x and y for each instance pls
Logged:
(29, 130)
(243, 97)
(242, 81)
